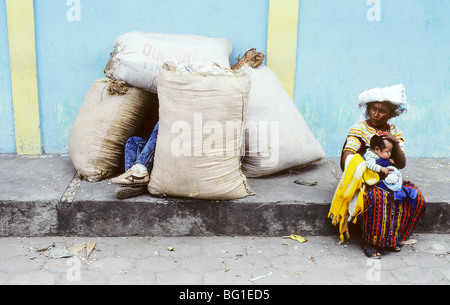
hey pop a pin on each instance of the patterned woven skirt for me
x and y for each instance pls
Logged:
(385, 222)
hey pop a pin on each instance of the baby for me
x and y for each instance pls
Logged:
(378, 156)
(378, 159)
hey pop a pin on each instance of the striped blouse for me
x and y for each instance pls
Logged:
(358, 139)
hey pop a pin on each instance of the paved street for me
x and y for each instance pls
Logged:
(222, 261)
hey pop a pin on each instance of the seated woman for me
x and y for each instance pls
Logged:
(385, 222)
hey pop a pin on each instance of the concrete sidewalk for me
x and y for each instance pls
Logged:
(40, 196)
(244, 260)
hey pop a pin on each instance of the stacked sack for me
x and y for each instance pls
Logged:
(138, 56)
(125, 103)
(277, 136)
(217, 124)
(198, 151)
(109, 115)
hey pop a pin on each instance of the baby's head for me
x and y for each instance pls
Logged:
(382, 147)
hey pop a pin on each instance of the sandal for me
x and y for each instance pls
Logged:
(125, 192)
(370, 251)
(132, 177)
(395, 249)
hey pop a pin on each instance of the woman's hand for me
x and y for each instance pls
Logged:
(397, 153)
(387, 135)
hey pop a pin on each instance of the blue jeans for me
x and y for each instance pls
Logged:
(140, 150)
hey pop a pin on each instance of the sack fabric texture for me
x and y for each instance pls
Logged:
(201, 123)
(103, 125)
(138, 56)
(277, 136)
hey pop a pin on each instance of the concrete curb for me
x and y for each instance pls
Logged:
(39, 196)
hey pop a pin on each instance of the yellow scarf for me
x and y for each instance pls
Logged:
(345, 204)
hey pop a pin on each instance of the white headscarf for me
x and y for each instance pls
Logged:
(394, 94)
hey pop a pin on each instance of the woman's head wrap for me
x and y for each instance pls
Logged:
(394, 95)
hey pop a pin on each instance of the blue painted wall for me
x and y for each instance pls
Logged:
(72, 54)
(340, 54)
(7, 138)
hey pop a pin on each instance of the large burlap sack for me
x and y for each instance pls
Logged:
(103, 124)
(277, 136)
(201, 122)
(138, 56)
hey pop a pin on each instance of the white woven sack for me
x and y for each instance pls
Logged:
(102, 126)
(201, 123)
(138, 56)
(277, 136)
